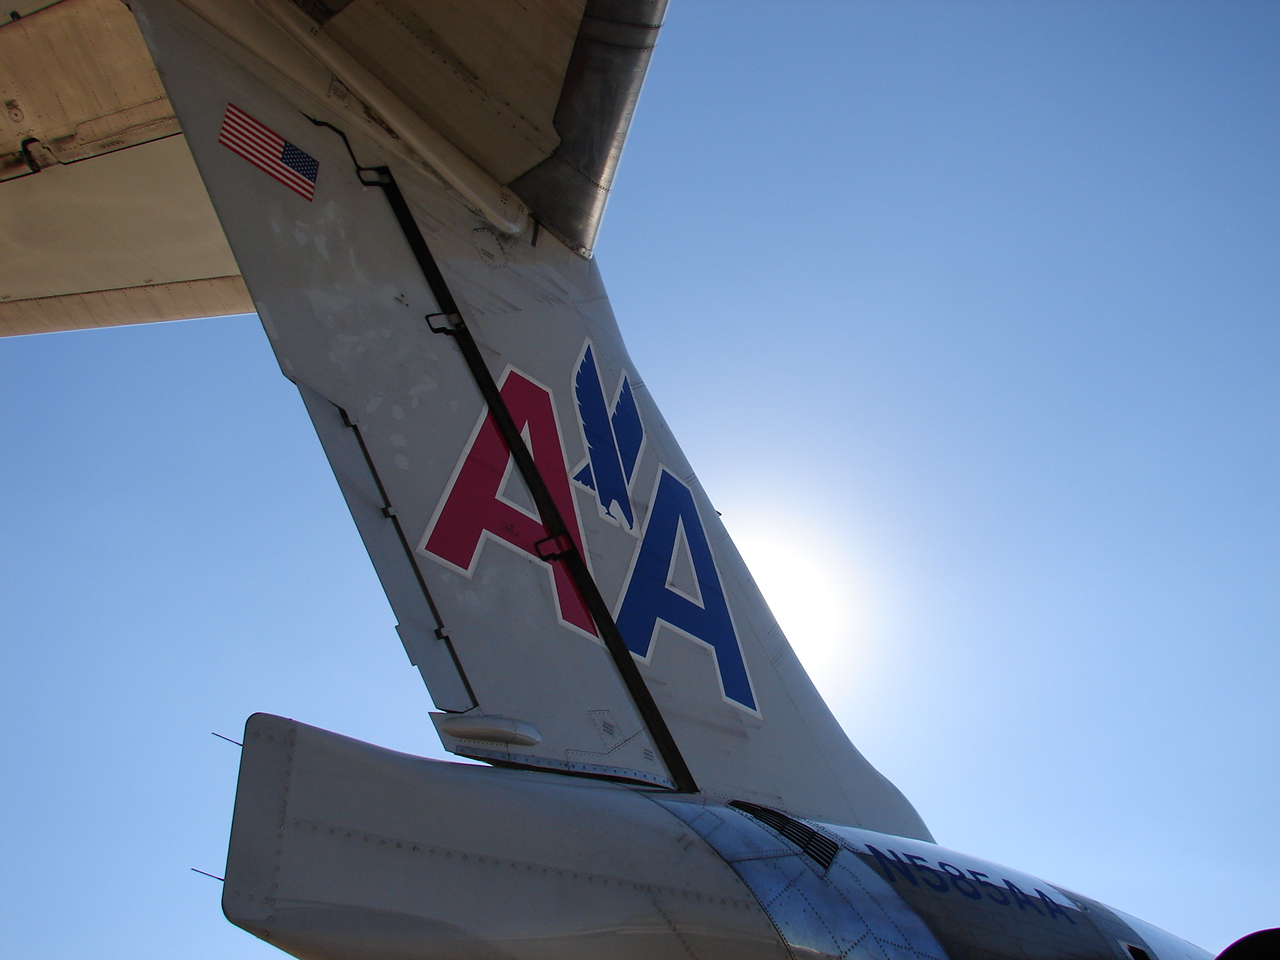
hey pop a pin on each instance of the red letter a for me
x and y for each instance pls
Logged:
(471, 506)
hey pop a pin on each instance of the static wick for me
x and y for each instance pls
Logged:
(215, 876)
(228, 739)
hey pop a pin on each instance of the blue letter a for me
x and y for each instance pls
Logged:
(648, 598)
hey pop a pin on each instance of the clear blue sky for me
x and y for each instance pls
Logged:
(966, 314)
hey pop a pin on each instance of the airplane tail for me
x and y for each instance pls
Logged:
(561, 579)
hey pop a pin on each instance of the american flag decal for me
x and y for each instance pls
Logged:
(269, 152)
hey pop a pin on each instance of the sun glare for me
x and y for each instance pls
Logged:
(816, 594)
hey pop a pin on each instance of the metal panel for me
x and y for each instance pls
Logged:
(104, 219)
(129, 237)
(76, 81)
(568, 190)
(844, 911)
(343, 849)
(1162, 945)
(188, 299)
(978, 908)
(487, 75)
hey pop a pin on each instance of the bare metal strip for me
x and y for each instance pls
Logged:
(567, 191)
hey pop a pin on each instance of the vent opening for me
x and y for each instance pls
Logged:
(821, 849)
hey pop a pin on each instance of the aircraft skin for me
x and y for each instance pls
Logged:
(343, 849)
(665, 779)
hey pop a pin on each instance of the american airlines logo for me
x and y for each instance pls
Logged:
(476, 509)
(613, 436)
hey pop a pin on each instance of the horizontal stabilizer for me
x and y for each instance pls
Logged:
(103, 217)
(343, 849)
